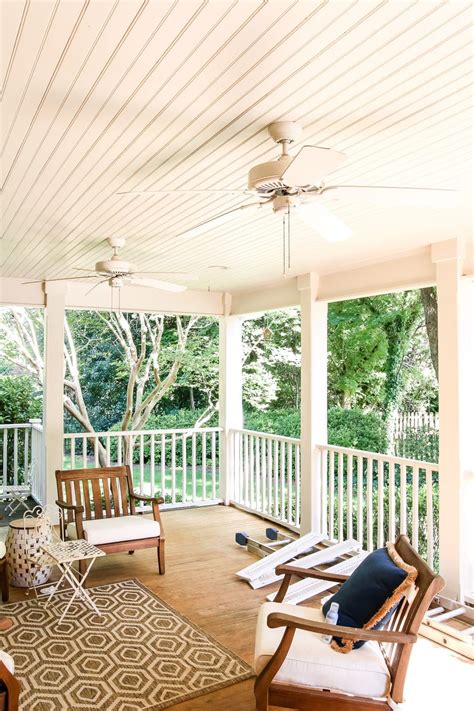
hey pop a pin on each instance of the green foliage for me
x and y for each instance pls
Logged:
(346, 428)
(271, 365)
(281, 422)
(19, 399)
(357, 429)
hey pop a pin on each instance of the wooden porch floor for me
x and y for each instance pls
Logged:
(199, 582)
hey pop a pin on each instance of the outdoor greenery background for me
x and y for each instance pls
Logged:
(379, 363)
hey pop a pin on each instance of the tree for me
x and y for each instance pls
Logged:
(272, 360)
(357, 351)
(22, 344)
(152, 352)
(429, 299)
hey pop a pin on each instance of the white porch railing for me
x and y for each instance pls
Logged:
(267, 475)
(181, 465)
(366, 495)
(21, 459)
(16, 453)
(374, 497)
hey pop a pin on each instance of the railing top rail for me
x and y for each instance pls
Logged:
(377, 455)
(21, 426)
(131, 433)
(267, 435)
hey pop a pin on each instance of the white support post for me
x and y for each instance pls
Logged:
(53, 434)
(313, 399)
(230, 394)
(455, 339)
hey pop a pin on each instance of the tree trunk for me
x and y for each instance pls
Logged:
(429, 299)
(191, 398)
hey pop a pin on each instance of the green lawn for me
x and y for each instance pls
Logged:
(168, 480)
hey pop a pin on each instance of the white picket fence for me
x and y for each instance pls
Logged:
(267, 475)
(415, 434)
(182, 465)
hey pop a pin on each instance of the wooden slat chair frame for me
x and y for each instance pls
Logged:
(396, 642)
(10, 689)
(105, 492)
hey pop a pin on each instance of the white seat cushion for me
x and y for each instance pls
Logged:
(113, 530)
(2, 549)
(312, 663)
(8, 661)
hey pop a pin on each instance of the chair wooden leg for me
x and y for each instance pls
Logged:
(261, 698)
(161, 557)
(5, 586)
(82, 566)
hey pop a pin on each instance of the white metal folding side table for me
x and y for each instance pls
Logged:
(64, 554)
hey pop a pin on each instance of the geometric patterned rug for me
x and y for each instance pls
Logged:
(139, 654)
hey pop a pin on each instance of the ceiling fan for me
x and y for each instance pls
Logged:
(296, 184)
(118, 273)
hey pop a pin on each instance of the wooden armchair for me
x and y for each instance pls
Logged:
(9, 685)
(99, 505)
(297, 670)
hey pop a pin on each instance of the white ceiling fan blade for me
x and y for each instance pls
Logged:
(183, 192)
(102, 281)
(157, 284)
(74, 278)
(219, 219)
(323, 221)
(311, 165)
(180, 276)
(393, 197)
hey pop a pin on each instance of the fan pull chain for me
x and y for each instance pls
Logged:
(289, 238)
(286, 242)
(284, 245)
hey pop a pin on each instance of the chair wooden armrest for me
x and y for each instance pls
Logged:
(78, 511)
(275, 619)
(288, 570)
(310, 573)
(69, 507)
(12, 686)
(155, 504)
(151, 499)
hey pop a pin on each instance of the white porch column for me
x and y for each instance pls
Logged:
(53, 412)
(313, 398)
(230, 393)
(456, 356)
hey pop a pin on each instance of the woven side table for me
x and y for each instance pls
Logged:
(24, 545)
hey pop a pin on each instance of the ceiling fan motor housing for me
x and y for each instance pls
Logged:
(266, 177)
(112, 267)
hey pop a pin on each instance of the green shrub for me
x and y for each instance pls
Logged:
(357, 429)
(280, 422)
(19, 399)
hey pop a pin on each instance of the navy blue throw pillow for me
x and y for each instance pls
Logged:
(371, 595)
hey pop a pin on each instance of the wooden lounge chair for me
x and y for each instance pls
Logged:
(290, 657)
(99, 505)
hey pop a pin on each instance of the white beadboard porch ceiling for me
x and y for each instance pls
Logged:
(103, 96)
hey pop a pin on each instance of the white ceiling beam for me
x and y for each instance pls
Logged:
(260, 300)
(15, 292)
(407, 272)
